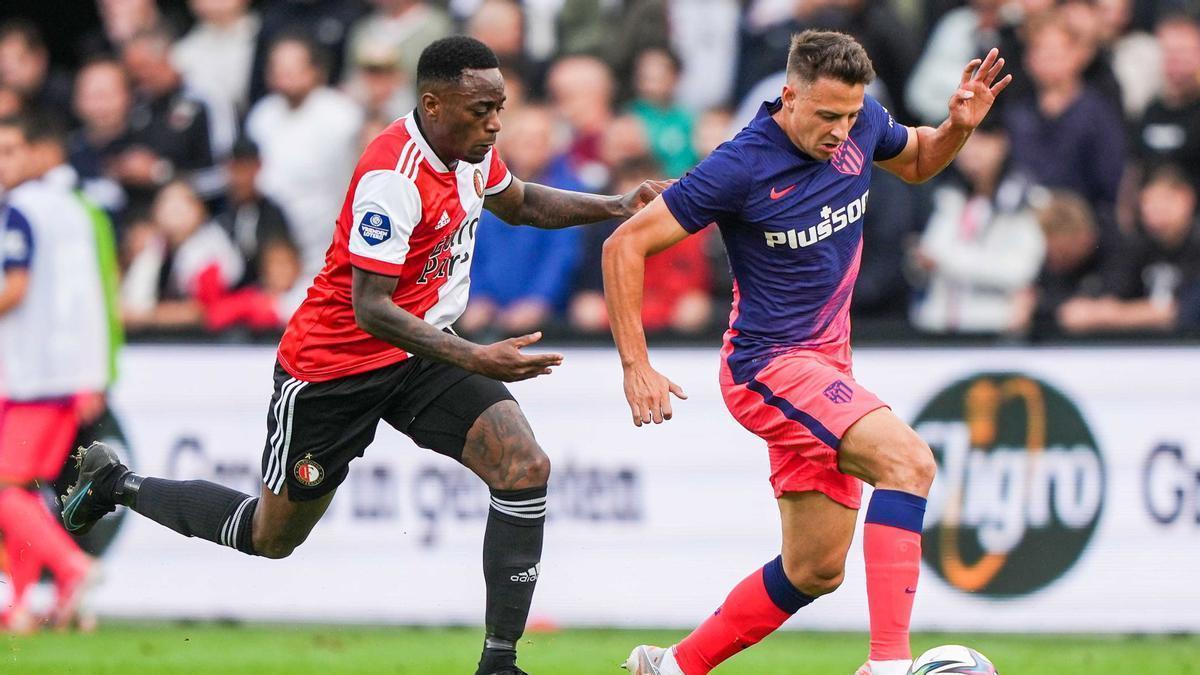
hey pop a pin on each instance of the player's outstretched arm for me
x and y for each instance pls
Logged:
(16, 284)
(930, 150)
(624, 262)
(549, 208)
(376, 313)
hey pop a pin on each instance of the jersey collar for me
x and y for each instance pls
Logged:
(414, 132)
(765, 123)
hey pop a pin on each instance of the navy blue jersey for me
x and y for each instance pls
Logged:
(16, 239)
(792, 227)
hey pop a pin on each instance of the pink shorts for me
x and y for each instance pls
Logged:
(801, 406)
(35, 438)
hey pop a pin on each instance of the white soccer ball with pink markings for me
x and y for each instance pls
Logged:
(952, 660)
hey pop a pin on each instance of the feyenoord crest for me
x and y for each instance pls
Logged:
(308, 472)
(478, 183)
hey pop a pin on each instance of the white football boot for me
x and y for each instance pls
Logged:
(651, 660)
(900, 667)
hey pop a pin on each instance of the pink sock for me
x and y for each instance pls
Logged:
(33, 538)
(753, 610)
(892, 548)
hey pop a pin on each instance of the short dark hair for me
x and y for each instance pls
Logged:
(445, 60)
(25, 30)
(36, 126)
(318, 56)
(1171, 175)
(244, 148)
(816, 54)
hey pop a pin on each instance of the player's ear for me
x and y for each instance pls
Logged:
(431, 105)
(788, 96)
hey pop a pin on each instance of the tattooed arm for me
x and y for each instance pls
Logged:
(549, 208)
(376, 312)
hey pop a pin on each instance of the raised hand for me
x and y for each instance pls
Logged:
(504, 360)
(635, 200)
(976, 92)
(649, 394)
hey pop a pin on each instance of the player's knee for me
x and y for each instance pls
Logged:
(275, 545)
(815, 579)
(910, 468)
(532, 468)
(915, 473)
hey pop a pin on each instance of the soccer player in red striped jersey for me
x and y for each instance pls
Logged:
(789, 193)
(372, 342)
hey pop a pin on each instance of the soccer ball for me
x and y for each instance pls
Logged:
(952, 659)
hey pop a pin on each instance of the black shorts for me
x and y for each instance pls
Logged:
(315, 429)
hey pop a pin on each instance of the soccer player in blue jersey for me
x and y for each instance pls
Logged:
(789, 193)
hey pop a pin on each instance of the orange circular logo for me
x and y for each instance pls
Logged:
(478, 183)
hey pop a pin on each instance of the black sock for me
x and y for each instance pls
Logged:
(198, 508)
(512, 555)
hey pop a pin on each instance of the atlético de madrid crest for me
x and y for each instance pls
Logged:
(308, 472)
(478, 178)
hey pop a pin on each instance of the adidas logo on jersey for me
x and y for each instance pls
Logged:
(443, 221)
(831, 221)
(529, 575)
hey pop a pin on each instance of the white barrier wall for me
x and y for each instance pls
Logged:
(1068, 498)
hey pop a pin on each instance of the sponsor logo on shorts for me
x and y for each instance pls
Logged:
(375, 228)
(478, 180)
(839, 392)
(308, 472)
(1020, 488)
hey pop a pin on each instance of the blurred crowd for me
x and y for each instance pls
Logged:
(220, 136)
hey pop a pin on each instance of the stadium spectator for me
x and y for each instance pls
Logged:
(582, 90)
(521, 276)
(406, 26)
(1160, 264)
(25, 68)
(327, 23)
(613, 31)
(1073, 266)
(11, 103)
(102, 102)
(678, 294)
(175, 131)
(711, 130)
(53, 346)
(268, 303)
(306, 133)
(120, 20)
(668, 125)
(379, 86)
(251, 220)
(1067, 135)
(184, 262)
(1134, 54)
(956, 38)
(704, 35)
(500, 25)
(1170, 130)
(982, 246)
(216, 55)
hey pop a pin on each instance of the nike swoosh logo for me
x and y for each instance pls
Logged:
(910, 589)
(72, 504)
(776, 194)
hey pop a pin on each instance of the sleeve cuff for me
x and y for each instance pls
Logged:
(376, 266)
(501, 186)
(668, 198)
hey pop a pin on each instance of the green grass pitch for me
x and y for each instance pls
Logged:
(169, 649)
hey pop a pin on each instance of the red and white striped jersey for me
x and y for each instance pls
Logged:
(405, 215)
